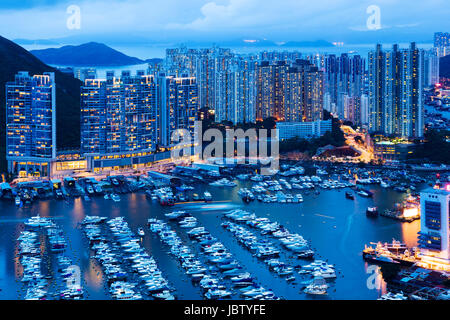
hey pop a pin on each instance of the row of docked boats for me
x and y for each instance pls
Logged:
(141, 263)
(393, 296)
(212, 287)
(66, 270)
(30, 257)
(109, 260)
(31, 260)
(295, 243)
(222, 262)
(262, 249)
(279, 197)
(166, 197)
(291, 241)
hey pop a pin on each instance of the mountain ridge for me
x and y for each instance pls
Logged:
(92, 54)
(13, 59)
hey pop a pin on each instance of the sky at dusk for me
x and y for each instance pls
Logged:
(199, 20)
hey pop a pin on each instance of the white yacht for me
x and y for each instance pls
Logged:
(317, 287)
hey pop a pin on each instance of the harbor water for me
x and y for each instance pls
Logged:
(337, 229)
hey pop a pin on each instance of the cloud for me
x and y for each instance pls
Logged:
(279, 20)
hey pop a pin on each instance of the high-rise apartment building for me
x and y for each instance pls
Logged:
(289, 92)
(31, 124)
(236, 92)
(396, 80)
(431, 65)
(344, 79)
(442, 43)
(119, 114)
(178, 106)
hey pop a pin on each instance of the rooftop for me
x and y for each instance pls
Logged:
(443, 192)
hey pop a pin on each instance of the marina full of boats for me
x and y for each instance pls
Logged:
(284, 186)
(217, 272)
(130, 271)
(269, 253)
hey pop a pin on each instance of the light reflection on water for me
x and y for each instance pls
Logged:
(94, 275)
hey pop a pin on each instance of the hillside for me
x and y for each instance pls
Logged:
(91, 54)
(444, 67)
(14, 58)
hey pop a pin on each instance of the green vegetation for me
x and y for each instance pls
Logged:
(87, 54)
(13, 59)
(335, 137)
(434, 149)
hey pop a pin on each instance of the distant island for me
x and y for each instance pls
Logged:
(318, 43)
(90, 54)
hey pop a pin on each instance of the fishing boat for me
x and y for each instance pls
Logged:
(115, 197)
(223, 183)
(379, 259)
(207, 196)
(89, 189)
(307, 255)
(349, 195)
(141, 232)
(372, 212)
(175, 215)
(317, 287)
(18, 201)
(363, 193)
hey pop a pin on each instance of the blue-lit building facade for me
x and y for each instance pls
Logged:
(434, 235)
(31, 124)
(303, 130)
(126, 119)
(178, 106)
(396, 82)
(118, 120)
(289, 91)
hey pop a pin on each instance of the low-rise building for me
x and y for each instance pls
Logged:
(434, 235)
(288, 130)
(392, 151)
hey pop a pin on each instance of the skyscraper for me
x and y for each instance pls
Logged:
(119, 114)
(431, 67)
(376, 67)
(236, 92)
(344, 79)
(442, 43)
(396, 80)
(31, 124)
(289, 92)
(177, 107)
